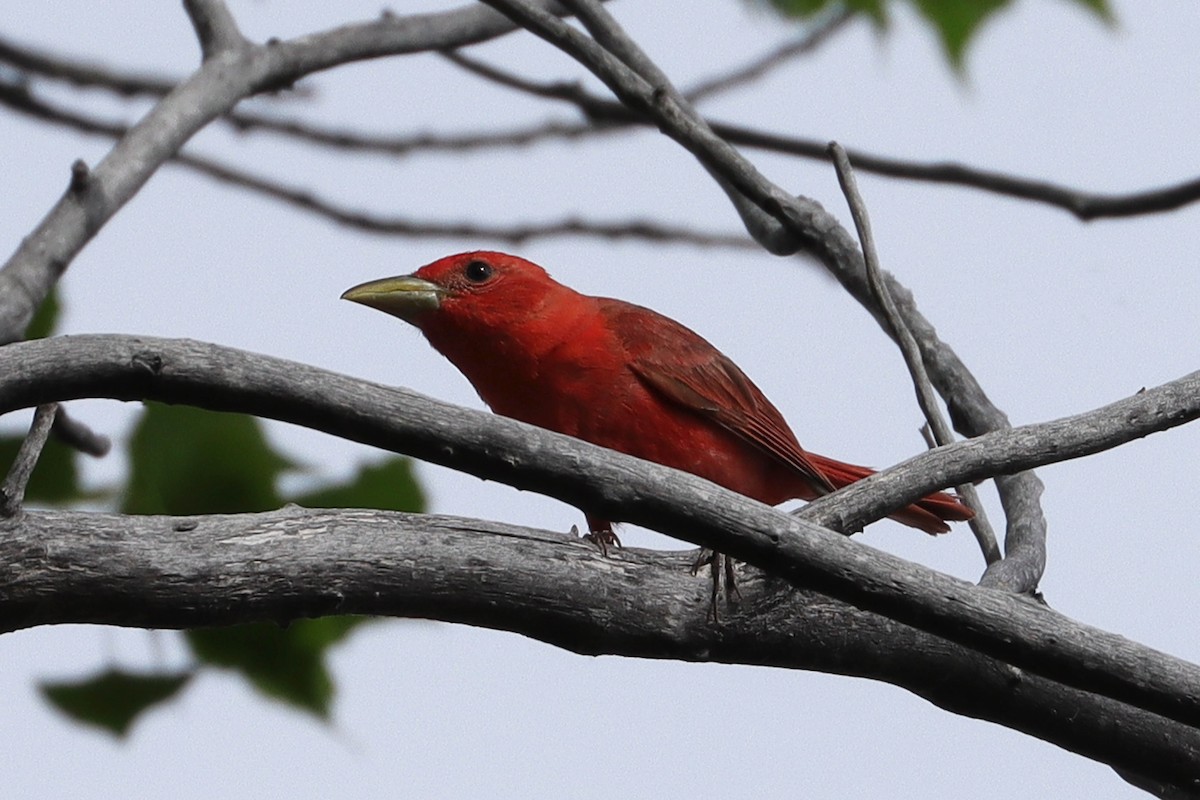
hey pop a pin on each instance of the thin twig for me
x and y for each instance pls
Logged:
(403, 145)
(903, 337)
(79, 436)
(821, 32)
(12, 493)
(80, 73)
(305, 199)
(125, 571)
(209, 93)
(1082, 204)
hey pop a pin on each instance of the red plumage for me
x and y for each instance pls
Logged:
(618, 375)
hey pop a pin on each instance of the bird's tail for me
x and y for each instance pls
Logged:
(930, 513)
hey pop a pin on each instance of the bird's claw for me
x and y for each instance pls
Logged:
(718, 565)
(603, 539)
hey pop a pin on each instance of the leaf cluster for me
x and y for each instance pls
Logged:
(956, 23)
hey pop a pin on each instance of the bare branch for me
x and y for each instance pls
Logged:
(1084, 205)
(172, 572)
(908, 348)
(1014, 450)
(12, 493)
(622, 488)
(215, 27)
(591, 106)
(79, 436)
(611, 116)
(1025, 541)
(403, 145)
(78, 73)
(209, 93)
(814, 37)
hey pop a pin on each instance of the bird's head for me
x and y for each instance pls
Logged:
(480, 286)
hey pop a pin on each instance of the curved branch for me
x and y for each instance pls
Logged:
(626, 489)
(1084, 205)
(174, 572)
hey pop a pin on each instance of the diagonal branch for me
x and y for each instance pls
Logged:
(12, 492)
(1082, 204)
(80, 73)
(942, 434)
(998, 624)
(171, 572)
(814, 37)
(224, 79)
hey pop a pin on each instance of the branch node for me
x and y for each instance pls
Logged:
(81, 177)
(148, 361)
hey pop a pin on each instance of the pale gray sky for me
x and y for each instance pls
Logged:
(1055, 317)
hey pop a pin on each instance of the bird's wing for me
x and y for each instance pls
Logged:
(680, 366)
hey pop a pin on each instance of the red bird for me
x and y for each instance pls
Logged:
(618, 375)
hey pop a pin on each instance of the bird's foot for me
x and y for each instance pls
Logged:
(719, 565)
(603, 538)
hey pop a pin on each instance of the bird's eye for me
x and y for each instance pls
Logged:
(478, 271)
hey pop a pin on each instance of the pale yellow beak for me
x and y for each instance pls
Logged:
(405, 296)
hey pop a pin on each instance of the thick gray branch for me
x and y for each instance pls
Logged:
(173, 572)
(621, 488)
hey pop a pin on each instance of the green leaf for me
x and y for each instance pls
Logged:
(806, 9)
(113, 699)
(55, 478)
(46, 318)
(188, 461)
(389, 484)
(801, 8)
(956, 21)
(1100, 8)
(287, 664)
